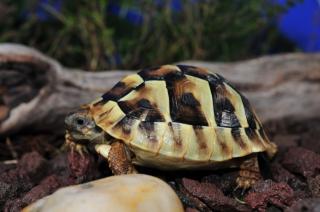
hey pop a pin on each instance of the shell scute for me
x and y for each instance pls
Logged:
(123, 87)
(152, 99)
(174, 142)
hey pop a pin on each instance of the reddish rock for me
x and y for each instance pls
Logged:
(280, 174)
(212, 196)
(59, 164)
(6, 191)
(33, 165)
(60, 167)
(82, 167)
(20, 186)
(306, 205)
(302, 161)
(29, 171)
(191, 201)
(12, 176)
(12, 184)
(13, 205)
(268, 192)
(46, 187)
(225, 182)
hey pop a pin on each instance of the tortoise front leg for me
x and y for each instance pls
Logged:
(118, 158)
(81, 149)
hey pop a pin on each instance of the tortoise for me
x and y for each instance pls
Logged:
(173, 117)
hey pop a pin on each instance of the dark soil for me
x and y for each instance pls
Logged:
(34, 166)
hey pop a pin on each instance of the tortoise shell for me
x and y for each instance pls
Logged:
(180, 117)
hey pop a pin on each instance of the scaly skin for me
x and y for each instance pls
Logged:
(119, 160)
(81, 149)
(249, 173)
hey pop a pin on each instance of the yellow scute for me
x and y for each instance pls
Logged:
(107, 115)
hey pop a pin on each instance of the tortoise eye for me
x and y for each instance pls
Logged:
(80, 121)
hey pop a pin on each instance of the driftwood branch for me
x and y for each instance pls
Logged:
(36, 92)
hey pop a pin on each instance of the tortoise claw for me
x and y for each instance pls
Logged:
(238, 194)
(68, 139)
(81, 149)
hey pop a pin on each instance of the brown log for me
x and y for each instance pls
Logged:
(36, 92)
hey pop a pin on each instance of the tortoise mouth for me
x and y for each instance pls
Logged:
(82, 142)
(84, 139)
(78, 138)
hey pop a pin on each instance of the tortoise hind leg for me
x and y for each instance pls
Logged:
(119, 159)
(249, 173)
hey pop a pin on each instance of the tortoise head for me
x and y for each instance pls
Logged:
(81, 126)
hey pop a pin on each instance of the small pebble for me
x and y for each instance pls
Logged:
(212, 196)
(141, 193)
(267, 192)
(305, 205)
(302, 161)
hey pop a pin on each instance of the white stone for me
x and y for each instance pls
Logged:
(137, 192)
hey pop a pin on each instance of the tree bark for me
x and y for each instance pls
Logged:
(36, 92)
